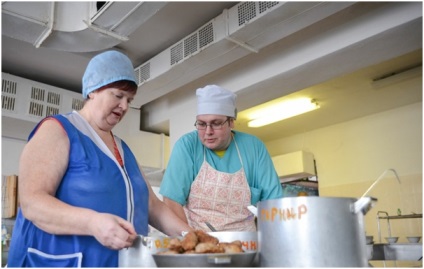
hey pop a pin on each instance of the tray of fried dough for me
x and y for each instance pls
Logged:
(200, 249)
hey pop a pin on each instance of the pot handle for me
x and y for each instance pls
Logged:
(219, 259)
(364, 204)
(253, 210)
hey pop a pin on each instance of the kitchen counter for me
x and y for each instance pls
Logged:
(396, 252)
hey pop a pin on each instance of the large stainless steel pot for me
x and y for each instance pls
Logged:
(313, 232)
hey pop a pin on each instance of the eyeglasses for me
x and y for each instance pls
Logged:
(214, 125)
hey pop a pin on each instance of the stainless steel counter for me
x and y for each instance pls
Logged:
(395, 252)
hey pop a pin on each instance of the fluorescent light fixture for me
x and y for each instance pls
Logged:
(281, 111)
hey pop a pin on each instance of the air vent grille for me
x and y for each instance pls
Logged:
(28, 100)
(35, 109)
(198, 40)
(249, 10)
(8, 103)
(8, 97)
(8, 87)
(143, 73)
(190, 45)
(77, 104)
(37, 94)
(53, 98)
(177, 53)
(51, 111)
(246, 12)
(263, 6)
(206, 35)
(42, 99)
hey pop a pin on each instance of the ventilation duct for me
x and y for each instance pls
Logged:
(32, 101)
(75, 26)
(245, 28)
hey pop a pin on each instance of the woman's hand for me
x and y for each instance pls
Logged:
(112, 231)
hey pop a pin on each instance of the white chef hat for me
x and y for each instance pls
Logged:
(106, 68)
(215, 100)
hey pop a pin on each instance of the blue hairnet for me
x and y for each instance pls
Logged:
(105, 68)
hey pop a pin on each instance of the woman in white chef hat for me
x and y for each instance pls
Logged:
(82, 194)
(215, 172)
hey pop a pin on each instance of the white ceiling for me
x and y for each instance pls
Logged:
(346, 96)
(64, 69)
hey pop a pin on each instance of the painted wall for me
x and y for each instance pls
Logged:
(361, 149)
(11, 150)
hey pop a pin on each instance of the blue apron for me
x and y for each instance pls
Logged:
(94, 179)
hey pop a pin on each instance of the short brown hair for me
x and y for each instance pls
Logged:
(124, 85)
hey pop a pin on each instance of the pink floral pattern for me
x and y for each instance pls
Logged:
(220, 199)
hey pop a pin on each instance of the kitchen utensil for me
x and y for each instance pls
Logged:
(210, 226)
(313, 232)
(140, 253)
(413, 239)
(392, 239)
(378, 179)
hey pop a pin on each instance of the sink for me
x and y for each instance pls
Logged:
(396, 252)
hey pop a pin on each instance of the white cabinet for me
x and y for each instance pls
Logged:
(295, 165)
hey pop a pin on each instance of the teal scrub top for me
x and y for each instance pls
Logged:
(188, 155)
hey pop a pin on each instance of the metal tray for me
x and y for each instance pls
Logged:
(205, 260)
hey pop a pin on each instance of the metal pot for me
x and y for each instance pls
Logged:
(313, 232)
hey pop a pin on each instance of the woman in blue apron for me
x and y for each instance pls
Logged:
(82, 194)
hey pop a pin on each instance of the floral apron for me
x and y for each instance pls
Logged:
(221, 199)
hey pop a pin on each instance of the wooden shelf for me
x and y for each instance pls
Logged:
(411, 216)
(304, 183)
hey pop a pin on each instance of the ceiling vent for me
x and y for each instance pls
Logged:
(75, 26)
(245, 28)
(8, 95)
(32, 101)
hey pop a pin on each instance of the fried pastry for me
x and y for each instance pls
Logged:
(190, 241)
(231, 248)
(200, 242)
(175, 244)
(209, 247)
(206, 238)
